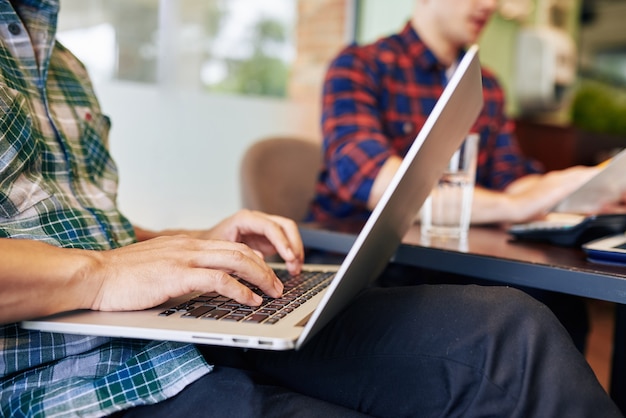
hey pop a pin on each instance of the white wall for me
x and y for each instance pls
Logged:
(382, 18)
(178, 153)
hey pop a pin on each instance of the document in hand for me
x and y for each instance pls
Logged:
(605, 187)
(574, 220)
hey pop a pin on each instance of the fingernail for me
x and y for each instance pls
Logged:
(278, 285)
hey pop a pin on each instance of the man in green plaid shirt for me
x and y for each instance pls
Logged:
(450, 350)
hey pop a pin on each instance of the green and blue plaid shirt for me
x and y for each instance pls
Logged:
(58, 184)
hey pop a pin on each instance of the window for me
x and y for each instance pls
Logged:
(227, 46)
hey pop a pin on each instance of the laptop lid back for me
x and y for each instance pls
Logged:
(445, 128)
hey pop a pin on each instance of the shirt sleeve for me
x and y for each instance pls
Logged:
(354, 145)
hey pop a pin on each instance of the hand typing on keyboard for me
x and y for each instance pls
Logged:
(201, 261)
(162, 266)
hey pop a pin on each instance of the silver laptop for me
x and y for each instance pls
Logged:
(180, 320)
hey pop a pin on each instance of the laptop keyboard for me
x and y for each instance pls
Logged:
(297, 290)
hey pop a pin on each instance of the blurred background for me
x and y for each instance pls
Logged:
(190, 84)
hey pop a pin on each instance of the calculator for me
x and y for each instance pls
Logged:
(570, 230)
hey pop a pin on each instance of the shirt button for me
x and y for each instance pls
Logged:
(407, 127)
(14, 28)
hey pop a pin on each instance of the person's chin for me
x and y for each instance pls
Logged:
(474, 31)
(472, 39)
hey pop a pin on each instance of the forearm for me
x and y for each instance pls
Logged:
(524, 184)
(146, 234)
(504, 207)
(490, 206)
(386, 173)
(528, 197)
(38, 279)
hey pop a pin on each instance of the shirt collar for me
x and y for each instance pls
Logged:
(419, 52)
(40, 19)
(47, 5)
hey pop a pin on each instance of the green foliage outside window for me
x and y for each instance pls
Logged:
(263, 70)
(261, 73)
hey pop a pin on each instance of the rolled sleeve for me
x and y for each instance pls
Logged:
(354, 145)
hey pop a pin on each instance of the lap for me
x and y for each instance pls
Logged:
(430, 350)
(436, 349)
(229, 392)
(398, 350)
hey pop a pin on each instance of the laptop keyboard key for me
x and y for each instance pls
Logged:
(297, 290)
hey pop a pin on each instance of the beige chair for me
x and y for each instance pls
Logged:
(278, 174)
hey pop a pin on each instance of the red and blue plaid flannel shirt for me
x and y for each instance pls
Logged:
(376, 99)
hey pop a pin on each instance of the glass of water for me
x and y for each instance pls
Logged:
(447, 211)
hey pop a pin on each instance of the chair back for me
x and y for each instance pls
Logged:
(278, 174)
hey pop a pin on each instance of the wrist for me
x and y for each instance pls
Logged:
(493, 207)
(85, 282)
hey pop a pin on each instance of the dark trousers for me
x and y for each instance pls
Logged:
(427, 350)
(570, 310)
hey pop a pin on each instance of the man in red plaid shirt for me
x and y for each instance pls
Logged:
(377, 97)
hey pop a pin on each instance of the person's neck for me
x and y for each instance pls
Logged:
(445, 51)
